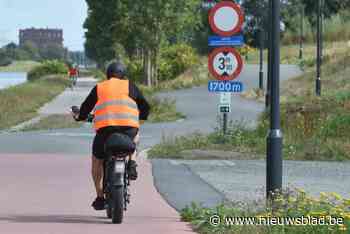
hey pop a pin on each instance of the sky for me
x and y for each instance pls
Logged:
(68, 15)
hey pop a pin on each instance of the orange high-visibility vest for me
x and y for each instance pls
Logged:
(114, 107)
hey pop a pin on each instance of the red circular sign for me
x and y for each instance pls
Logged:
(226, 18)
(225, 63)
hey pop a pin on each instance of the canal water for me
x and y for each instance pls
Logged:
(8, 79)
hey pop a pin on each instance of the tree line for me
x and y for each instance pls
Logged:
(139, 29)
(257, 14)
(29, 51)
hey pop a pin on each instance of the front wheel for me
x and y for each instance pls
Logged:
(117, 204)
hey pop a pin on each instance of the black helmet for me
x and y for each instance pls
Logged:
(116, 69)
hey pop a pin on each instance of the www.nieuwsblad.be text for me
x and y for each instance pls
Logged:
(216, 220)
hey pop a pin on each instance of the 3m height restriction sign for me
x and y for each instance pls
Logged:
(225, 63)
(226, 18)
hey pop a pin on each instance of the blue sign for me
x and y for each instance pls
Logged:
(226, 41)
(225, 86)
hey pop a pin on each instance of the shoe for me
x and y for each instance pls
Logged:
(132, 172)
(99, 203)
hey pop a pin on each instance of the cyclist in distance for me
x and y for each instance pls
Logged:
(73, 75)
(118, 106)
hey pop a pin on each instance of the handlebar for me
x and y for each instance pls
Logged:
(76, 111)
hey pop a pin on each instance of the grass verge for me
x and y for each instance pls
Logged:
(248, 143)
(20, 103)
(163, 110)
(20, 66)
(54, 122)
(289, 208)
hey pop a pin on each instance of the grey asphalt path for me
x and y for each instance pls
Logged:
(245, 181)
(182, 186)
(62, 103)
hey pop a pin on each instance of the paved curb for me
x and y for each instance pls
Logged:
(180, 187)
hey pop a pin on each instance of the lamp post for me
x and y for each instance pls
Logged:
(270, 45)
(261, 42)
(318, 69)
(321, 28)
(274, 139)
(301, 32)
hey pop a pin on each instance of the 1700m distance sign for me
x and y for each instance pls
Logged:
(225, 63)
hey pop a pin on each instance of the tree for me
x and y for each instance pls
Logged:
(11, 50)
(52, 52)
(330, 8)
(32, 51)
(139, 26)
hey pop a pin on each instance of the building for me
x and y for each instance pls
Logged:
(41, 38)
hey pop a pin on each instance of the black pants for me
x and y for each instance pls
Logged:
(102, 135)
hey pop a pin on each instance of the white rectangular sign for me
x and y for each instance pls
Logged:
(225, 98)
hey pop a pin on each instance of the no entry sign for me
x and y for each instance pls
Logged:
(226, 18)
(225, 63)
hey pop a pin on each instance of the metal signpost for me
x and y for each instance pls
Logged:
(319, 35)
(225, 107)
(301, 40)
(274, 139)
(225, 63)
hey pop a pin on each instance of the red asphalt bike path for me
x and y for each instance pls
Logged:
(52, 194)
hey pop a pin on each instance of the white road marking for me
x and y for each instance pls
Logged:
(230, 163)
(175, 162)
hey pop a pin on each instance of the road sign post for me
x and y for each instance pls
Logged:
(225, 108)
(225, 63)
(274, 139)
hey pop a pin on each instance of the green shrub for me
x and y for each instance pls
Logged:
(342, 96)
(163, 110)
(49, 67)
(135, 70)
(175, 60)
(98, 74)
(5, 61)
(337, 126)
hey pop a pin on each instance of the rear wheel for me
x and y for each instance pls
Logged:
(117, 204)
(109, 206)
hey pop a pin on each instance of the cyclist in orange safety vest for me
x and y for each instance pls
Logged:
(119, 106)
